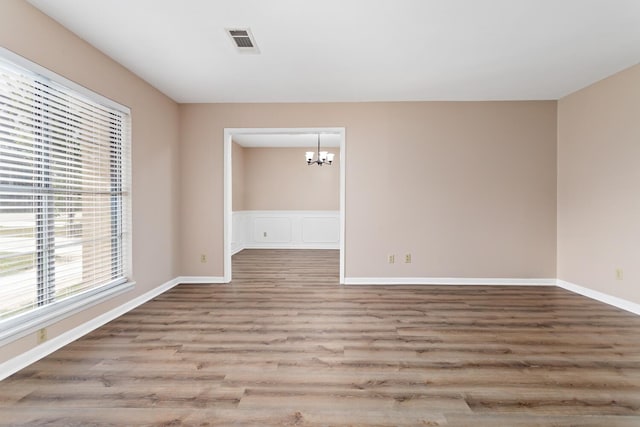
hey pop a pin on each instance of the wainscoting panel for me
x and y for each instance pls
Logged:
(320, 230)
(285, 230)
(272, 229)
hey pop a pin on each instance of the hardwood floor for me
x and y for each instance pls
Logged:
(285, 345)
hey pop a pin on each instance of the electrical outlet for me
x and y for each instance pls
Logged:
(203, 258)
(619, 274)
(264, 234)
(42, 335)
(392, 259)
(407, 259)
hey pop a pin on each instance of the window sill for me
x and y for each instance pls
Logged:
(28, 323)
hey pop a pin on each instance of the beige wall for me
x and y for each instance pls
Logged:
(599, 185)
(29, 33)
(280, 179)
(469, 188)
(237, 180)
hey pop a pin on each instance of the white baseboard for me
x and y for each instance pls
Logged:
(23, 360)
(446, 281)
(600, 296)
(205, 280)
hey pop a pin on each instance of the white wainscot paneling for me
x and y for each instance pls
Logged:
(285, 230)
(320, 230)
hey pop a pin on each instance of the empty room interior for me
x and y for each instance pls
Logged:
(281, 212)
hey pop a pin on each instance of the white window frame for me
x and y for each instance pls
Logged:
(31, 321)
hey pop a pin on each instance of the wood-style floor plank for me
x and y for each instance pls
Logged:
(284, 344)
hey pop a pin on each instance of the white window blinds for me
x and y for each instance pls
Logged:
(64, 192)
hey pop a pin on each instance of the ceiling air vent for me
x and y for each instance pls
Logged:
(243, 40)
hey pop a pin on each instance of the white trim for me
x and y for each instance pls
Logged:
(55, 77)
(23, 360)
(228, 186)
(227, 204)
(30, 320)
(600, 296)
(201, 280)
(42, 317)
(343, 198)
(447, 281)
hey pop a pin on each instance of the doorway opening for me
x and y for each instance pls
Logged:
(292, 134)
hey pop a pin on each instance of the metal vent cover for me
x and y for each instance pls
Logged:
(243, 40)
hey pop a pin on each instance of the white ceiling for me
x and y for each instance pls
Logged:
(287, 140)
(361, 50)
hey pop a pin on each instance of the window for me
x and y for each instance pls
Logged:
(64, 193)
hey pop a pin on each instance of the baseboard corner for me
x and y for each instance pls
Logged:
(620, 303)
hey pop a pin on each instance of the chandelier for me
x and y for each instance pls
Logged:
(323, 157)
